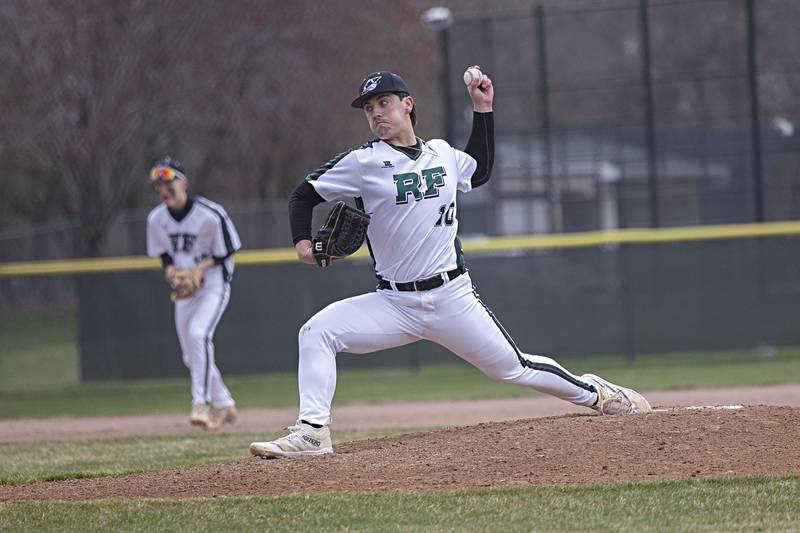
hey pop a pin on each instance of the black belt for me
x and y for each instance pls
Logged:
(423, 284)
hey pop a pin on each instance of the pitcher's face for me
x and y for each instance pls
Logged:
(388, 115)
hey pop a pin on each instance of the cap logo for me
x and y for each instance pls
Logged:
(370, 84)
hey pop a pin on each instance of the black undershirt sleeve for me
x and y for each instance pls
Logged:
(301, 208)
(481, 146)
(166, 260)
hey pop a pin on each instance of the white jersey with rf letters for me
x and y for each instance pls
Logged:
(410, 195)
(206, 231)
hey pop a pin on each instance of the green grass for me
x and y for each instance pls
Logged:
(40, 352)
(722, 504)
(693, 370)
(39, 378)
(27, 462)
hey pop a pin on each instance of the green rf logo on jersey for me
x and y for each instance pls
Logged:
(409, 183)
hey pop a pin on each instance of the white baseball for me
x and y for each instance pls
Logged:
(472, 74)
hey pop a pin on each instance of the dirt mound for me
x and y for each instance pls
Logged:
(571, 449)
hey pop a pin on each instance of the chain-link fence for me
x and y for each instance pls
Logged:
(636, 113)
(613, 113)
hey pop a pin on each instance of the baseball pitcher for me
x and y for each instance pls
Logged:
(408, 189)
(196, 241)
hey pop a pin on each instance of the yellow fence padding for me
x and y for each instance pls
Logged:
(493, 244)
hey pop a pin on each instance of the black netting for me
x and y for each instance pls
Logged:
(726, 294)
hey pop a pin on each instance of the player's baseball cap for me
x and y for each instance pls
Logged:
(167, 169)
(379, 82)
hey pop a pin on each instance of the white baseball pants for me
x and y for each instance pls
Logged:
(450, 315)
(196, 318)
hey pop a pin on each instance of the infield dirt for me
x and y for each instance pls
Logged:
(674, 443)
(381, 416)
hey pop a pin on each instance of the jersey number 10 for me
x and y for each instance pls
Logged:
(447, 214)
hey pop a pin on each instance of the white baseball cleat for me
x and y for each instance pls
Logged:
(615, 400)
(200, 415)
(218, 417)
(302, 440)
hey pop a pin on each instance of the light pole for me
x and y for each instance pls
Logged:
(440, 19)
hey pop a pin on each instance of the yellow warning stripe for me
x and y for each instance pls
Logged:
(77, 266)
(635, 236)
(493, 244)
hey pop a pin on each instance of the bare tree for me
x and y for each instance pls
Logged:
(250, 94)
(91, 71)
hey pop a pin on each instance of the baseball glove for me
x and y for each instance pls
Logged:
(186, 283)
(342, 234)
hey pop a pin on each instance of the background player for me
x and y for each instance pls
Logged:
(409, 186)
(191, 232)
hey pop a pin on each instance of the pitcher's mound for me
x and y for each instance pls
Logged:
(674, 443)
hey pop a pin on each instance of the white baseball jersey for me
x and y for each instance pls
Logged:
(411, 198)
(206, 231)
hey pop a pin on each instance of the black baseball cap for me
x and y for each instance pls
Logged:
(379, 82)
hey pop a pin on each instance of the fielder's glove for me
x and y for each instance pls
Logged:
(185, 283)
(342, 234)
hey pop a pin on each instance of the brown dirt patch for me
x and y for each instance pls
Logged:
(385, 415)
(569, 449)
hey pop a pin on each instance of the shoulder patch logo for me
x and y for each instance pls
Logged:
(370, 83)
(387, 164)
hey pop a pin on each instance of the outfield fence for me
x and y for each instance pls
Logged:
(628, 292)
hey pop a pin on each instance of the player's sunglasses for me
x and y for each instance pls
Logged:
(165, 174)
